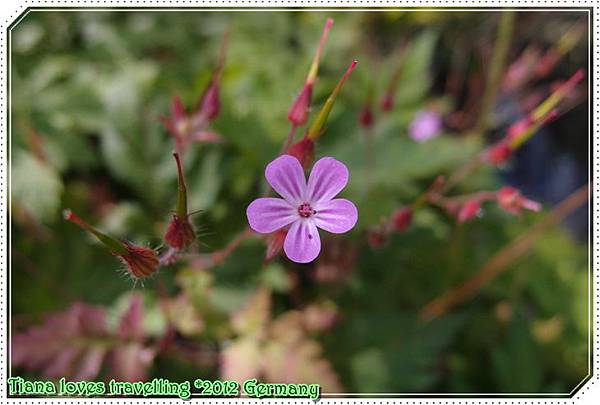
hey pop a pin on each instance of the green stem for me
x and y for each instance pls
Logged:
(317, 126)
(181, 189)
(114, 245)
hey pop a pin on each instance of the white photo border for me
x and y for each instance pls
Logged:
(588, 391)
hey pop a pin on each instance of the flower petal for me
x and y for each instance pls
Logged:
(328, 177)
(336, 216)
(302, 243)
(266, 215)
(286, 176)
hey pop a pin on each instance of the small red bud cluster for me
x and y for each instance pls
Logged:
(195, 126)
(469, 210)
(508, 198)
(511, 200)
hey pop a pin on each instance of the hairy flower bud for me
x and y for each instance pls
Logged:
(180, 232)
(139, 261)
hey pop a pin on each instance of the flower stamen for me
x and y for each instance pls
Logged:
(306, 211)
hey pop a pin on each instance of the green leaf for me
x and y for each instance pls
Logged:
(36, 186)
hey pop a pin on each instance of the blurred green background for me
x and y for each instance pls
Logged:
(87, 90)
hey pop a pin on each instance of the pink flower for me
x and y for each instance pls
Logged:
(426, 125)
(511, 200)
(305, 206)
(469, 211)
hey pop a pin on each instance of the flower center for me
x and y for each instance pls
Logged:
(305, 210)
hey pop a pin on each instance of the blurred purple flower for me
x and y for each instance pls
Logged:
(304, 207)
(426, 125)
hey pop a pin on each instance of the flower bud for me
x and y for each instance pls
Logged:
(317, 127)
(304, 151)
(298, 113)
(402, 219)
(365, 117)
(275, 244)
(210, 105)
(511, 200)
(139, 261)
(387, 102)
(469, 211)
(180, 232)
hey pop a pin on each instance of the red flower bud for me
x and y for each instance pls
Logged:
(140, 261)
(298, 113)
(180, 233)
(469, 210)
(365, 117)
(210, 105)
(511, 200)
(402, 219)
(275, 244)
(387, 102)
(304, 151)
(499, 153)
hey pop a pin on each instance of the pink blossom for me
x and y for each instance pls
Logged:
(469, 211)
(304, 206)
(511, 200)
(426, 125)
